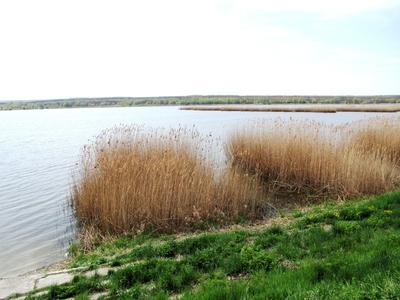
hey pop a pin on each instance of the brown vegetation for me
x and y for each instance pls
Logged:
(300, 108)
(380, 138)
(306, 157)
(132, 179)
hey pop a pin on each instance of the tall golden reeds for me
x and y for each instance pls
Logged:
(303, 157)
(379, 137)
(132, 178)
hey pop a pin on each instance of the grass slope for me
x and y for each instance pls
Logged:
(332, 251)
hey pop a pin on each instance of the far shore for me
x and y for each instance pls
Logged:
(316, 108)
(198, 100)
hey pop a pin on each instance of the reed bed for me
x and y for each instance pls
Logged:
(381, 108)
(381, 138)
(132, 179)
(304, 157)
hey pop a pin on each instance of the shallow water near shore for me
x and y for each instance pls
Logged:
(39, 150)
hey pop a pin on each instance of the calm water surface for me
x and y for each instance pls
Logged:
(38, 152)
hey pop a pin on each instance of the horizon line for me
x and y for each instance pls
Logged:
(197, 95)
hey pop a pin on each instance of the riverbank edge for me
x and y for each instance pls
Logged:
(100, 262)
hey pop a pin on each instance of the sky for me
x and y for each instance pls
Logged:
(93, 48)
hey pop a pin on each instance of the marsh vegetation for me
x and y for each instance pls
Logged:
(300, 157)
(134, 179)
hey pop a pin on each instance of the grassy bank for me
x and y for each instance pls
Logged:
(330, 251)
(301, 108)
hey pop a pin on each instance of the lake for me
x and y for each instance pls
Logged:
(40, 148)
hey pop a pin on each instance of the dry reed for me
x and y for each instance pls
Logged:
(305, 157)
(380, 137)
(132, 179)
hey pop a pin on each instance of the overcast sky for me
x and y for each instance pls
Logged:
(61, 49)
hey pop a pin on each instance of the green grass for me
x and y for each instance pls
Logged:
(332, 251)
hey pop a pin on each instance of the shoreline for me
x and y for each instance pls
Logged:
(196, 100)
(192, 265)
(312, 108)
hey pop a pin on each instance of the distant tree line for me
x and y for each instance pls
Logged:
(191, 100)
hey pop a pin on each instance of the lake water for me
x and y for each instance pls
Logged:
(38, 152)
